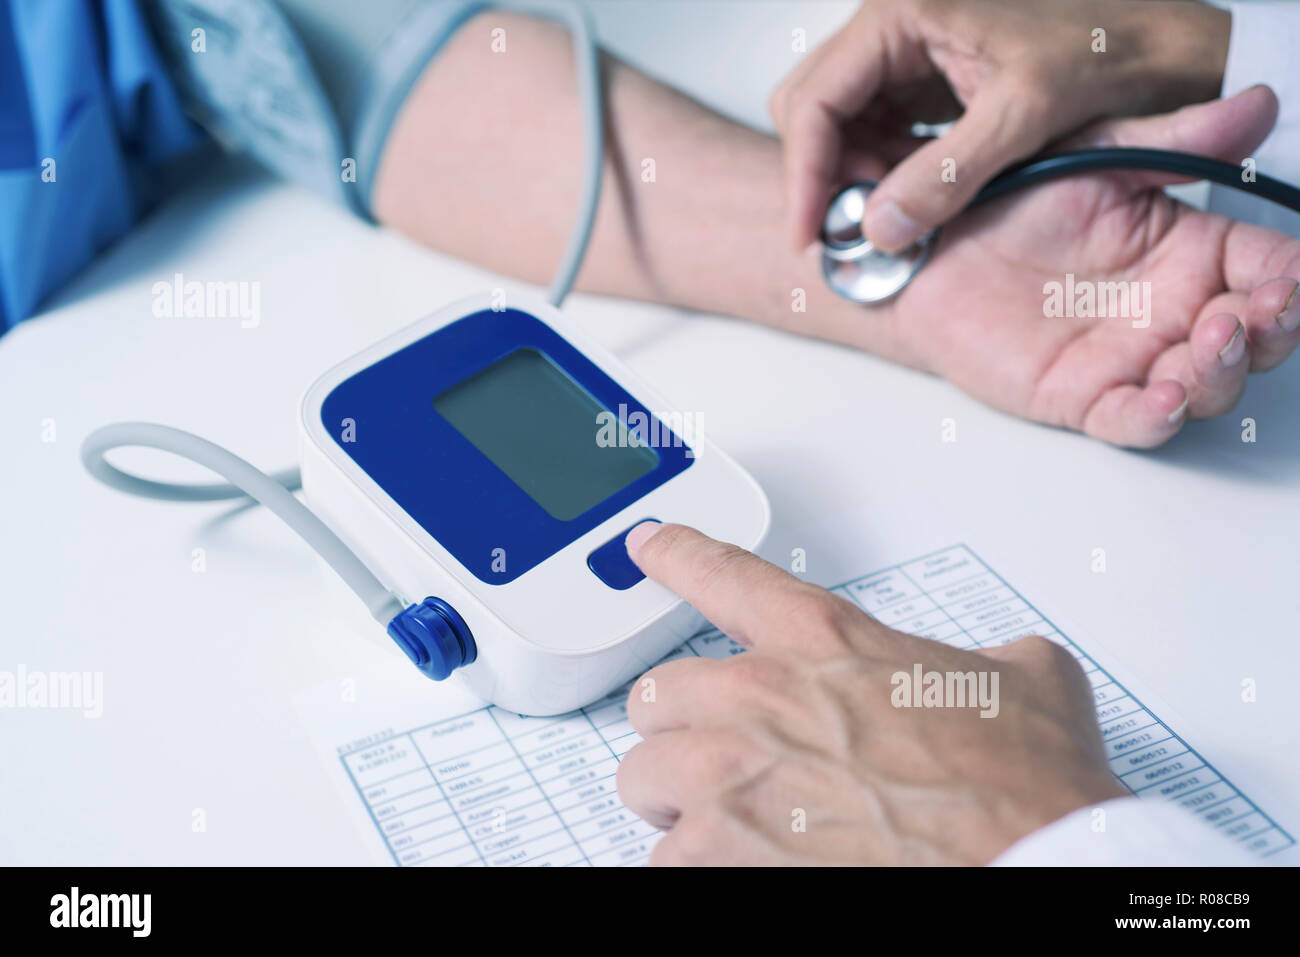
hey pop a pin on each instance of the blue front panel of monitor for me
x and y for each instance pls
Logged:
(383, 417)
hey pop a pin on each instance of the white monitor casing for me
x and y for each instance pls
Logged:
(556, 637)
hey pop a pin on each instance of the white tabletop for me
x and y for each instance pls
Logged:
(1202, 538)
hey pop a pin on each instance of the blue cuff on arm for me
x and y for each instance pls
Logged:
(389, 83)
(308, 87)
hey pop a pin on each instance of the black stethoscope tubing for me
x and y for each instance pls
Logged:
(1127, 158)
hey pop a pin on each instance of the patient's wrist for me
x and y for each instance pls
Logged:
(786, 290)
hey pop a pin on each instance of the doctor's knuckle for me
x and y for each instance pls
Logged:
(790, 97)
(693, 841)
(641, 696)
(1041, 654)
(1065, 663)
(824, 611)
(723, 756)
(1286, 260)
(670, 852)
(823, 618)
(934, 13)
(716, 563)
(1035, 102)
(631, 767)
(753, 675)
(778, 102)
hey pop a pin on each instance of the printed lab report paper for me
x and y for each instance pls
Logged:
(435, 777)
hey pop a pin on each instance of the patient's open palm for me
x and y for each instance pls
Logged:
(1018, 305)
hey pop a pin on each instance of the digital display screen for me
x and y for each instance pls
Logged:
(543, 430)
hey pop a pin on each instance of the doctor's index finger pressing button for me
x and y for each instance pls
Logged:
(753, 601)
(612, 564)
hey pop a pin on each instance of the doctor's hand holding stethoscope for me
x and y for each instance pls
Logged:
(1014, 75)
(1211, 299)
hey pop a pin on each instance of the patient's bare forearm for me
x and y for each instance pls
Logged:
(485, 163)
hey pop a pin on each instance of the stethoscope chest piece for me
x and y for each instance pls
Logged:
(853, 267)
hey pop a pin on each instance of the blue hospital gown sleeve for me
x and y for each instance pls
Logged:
(90, 126)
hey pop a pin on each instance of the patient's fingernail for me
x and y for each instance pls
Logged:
(1235, 350)
(1178, 413)
(640, 535)
(891, 229)
(1289, 317)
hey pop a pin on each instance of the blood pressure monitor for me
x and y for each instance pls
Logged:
(493, 458)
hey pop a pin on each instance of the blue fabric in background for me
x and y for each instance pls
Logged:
(80, 84)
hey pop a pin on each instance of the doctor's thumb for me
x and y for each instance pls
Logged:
(939, 179)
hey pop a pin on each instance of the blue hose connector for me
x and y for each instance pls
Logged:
(434, 637)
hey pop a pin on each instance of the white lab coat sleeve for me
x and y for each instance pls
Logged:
(1262, 48)
(1125, 832)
